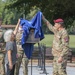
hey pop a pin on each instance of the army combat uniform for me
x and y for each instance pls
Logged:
(21, 58)
(19, 54)
(2, 63)
(60, 48)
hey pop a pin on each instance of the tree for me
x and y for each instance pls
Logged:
(52, 9)
(1, 8)
(9, 16)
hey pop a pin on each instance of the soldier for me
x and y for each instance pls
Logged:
(20, 55)
(25, 62)
(60, 48)
(2, 68)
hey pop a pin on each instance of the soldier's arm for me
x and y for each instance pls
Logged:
(65, 44)
(49, 25)
(16, 28)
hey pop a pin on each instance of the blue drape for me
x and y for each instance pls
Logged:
(26, 25)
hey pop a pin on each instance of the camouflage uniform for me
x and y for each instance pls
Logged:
(20, 58)
(60, 48)
(19, 54)
(2, 64)
(25, 62)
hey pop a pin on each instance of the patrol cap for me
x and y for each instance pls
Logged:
(59, 20)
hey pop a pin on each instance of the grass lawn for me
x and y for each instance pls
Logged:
(72, 41)
(49, 38)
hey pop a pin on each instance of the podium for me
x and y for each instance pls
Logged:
(31, 39)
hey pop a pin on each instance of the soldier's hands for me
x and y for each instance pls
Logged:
(43, 17)
(60, 59)
(45, 20)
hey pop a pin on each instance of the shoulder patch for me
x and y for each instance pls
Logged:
(66, 39)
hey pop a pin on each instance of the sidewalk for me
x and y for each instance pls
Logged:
(37, 71)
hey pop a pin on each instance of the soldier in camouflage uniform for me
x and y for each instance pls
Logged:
(2, 68)
(60, 48)
(19, 54)
(25, 62)
(20, 58)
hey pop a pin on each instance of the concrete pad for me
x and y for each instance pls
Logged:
(37, 71)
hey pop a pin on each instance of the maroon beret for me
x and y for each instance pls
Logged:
(58, 20)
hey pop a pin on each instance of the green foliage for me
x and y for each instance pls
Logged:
(52, 9)
(48, 40)
(1, 8)
(72, 42)
(32, 13)
(11, 10)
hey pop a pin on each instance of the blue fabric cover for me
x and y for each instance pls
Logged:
(35, 23)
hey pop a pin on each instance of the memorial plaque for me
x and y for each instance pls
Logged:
(31, 37)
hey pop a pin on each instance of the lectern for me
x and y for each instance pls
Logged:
(31, 39)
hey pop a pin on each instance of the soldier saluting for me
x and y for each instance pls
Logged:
(60, 48)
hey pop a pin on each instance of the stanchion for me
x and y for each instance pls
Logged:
(31, 65)
(43, 60)
(39, 60)
(39, 56)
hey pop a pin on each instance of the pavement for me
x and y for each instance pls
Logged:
(35, 70)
